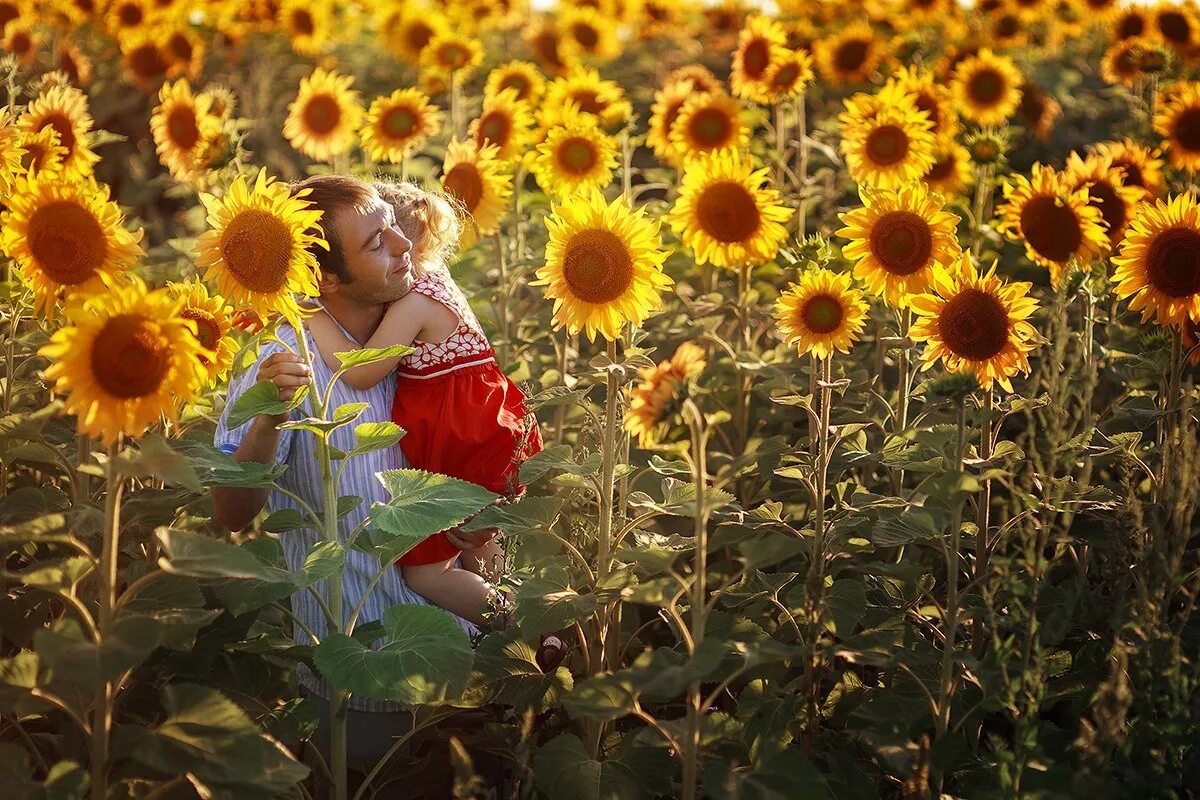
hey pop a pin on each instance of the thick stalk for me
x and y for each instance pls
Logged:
(80, 483)
(599, 654)
(801, 168)
(946, 690)
(816, 567)
(1170, 406)
(502, 304)
(109, 555)
(983, 193)
(560, 411)
(982, 521)
(905, 387)
(745, 378)
(699, 592)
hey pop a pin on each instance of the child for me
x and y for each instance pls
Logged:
(462, 415)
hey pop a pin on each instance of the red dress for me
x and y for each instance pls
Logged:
(462, 415)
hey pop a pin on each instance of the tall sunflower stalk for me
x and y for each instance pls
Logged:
(102, 715)
(816, 566)
(948, 681)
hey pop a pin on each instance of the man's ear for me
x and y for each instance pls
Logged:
(328, 283)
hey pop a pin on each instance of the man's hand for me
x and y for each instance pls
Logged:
(472, 540)
(288, 372)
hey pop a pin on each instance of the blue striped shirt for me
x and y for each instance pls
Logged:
(297, 450)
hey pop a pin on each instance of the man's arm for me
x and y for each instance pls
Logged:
(236, 507)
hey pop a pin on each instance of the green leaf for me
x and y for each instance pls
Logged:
(555, 458)
(602, 698)
(261, 398)
(371, 436)
(205, 557)
(426, 658)
(68, 655)
(219, 469)
(57, 574)
(564, 771)
(369, 355)
(507, 673)
(785, 775)
(530, 515)
(422, 503)
(547, 603)
(176, 604)
(847, 603)
(156, 458)
(287, 519)
(347, 503)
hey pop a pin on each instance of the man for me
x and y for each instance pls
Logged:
(368, 265)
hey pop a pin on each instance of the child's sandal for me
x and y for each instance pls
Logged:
(551, 652)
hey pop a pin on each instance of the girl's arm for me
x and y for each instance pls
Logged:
(403, 320)
(329, 338)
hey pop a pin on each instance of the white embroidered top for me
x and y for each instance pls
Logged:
(466, 346)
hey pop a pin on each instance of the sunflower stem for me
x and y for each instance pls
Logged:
(905, 388)
(502, 301)
(816, 566)
(109, 556)
(698, 612)
(1171, 404)
(983, 192)
(801, 168)
(982, 519)
(950, 555)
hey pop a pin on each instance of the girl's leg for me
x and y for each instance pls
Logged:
(459, 591)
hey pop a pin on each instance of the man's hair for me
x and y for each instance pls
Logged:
(432, 221)
(332, 195)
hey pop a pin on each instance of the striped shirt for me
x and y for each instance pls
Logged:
(297, 450)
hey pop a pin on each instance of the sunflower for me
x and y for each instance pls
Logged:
(789, 76)
(898, 238)
(951, 172)
(72, 62)
(521, 76)
(545, 42)
(1123, 61)
(726, 214)
(184, 52)
(478, 180)
(12, 10)
(655, 399)
(667, 103)
(125, 16)
(1101, 10)
(603, 266)
(65, 236)
(324, 117)
(21, 42)
(890, 148)
(450, 54)
(1158, 262)
(1141, 166)
(142, 57)
(65, 109)
(708, 123)
(1176, 24)
(1006, 28)
(1189, 334)
(976, 324)
(43, 154)
(822, 314)
(986, 88)
(1038, 110)
(12, 149)
(408, 30)
(1058, 226)
(932, 98)
(307, 25)
(259, 248)
(1131, 21)
(660, 18)
(1107, 191)
(213, 318)
(1178, 122)
(575, 158)
(584, 87)
(398, 124)
(586, 32)
(184, 127)
(505, 122)
(704, 80)
(761, 44)
(849, 56)
(126, 358)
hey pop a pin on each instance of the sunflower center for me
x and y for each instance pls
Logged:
(756, 58)
(130, 357)
(929, 107)
(576, 155)
(8, 12)
(822, 313)
(1174, 27)
(597, 266)
(182, 127)
(727, 212)
(146, 61)
(850, 56)
(1007, 26)
(495, 127)
(1187, 130)
(588, 101)
(1051, 228)
(1173, 263)
(67, 241)
(1133, 173)
(257, 248)
(35, 156)
(322, 114)
(787, 75)
(586, 35)
(887, 145)
(1112, 208)
(974, 325)
(399, 122)
(986, 87)
(20, 43)
(1130, 26)
(418, 35)
(518, 82)
(710, 128)
(129, 15)
(902, 242)
(463, 182)
(452, 55)
(545, 44)
(940, 170)
(180, 47)
(207, 331)
(302, 22)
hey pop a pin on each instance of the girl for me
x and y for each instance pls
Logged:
(462, 415)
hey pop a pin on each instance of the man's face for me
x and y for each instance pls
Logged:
(377, 255)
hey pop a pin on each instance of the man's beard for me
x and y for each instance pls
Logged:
(393, 289)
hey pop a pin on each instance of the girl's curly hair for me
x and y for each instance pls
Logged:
(432, 220)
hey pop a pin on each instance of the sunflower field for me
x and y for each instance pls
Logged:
(861, 334)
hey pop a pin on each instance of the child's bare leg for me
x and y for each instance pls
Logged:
(459, 591)
(486, 561)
